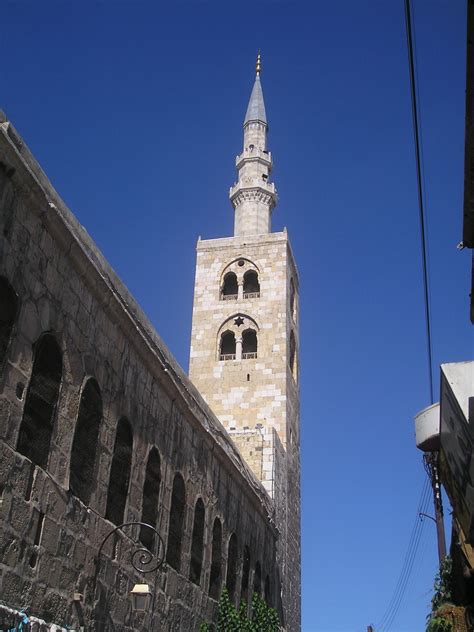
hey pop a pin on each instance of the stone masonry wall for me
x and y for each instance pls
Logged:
(64, 286)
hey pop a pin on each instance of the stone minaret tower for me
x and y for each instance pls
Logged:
(245, 342)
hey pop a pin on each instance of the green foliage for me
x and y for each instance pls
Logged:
(229, 619)
(439, 624)
(442, 594)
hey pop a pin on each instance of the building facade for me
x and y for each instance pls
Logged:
(99, 426)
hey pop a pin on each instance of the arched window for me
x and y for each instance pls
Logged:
(249, 344)
(120, 473)
(227, 346)
(244, 593)
(230, 288)
(197, 543)
(267, 593)
(231, 579)
(84, 445)
(293, 354)
(292, 298)
(41, 399)
(176, 523)
(151, 494)
(216, 560)
(257, 579)
(251, 284)
(8, 310)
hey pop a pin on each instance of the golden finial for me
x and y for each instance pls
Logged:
(259, 64)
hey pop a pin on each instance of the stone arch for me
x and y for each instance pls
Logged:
(238, 270)
(232, 559)
(36, 426)
(176, 522)
(8, 314)
(216, 560)
(84, 445)
(197, 543)
(151, 495)
(120, 472)
(238, 324)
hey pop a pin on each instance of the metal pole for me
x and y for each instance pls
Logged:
(431, 465)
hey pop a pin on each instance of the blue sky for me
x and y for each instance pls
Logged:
(134, 109)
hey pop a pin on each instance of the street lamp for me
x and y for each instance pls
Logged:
(141, 597)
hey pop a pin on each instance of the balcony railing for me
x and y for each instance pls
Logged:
(229, 297)
(249, 355)
(227, 356)
(251, 294)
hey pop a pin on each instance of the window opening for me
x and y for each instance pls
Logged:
(197, 543)
(292, 298)
(151, 494)
(8, 311)
(230, 288)
(251, 284)
(244, 593)
(257, 579)
(248, 377)
(216, 560)
(293, 354)
(249, 344)
(37, 540)
(176, 523)
(84, 445)
(227, 350)
(267, 592)
(120, 473)
(231, 580)
(43, 391)
(29, 482)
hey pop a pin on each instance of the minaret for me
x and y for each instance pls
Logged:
(245, 344)
(254, 196)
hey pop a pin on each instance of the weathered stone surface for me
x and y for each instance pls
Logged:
(65, 286)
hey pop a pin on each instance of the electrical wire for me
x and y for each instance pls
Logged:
(421, 206)
(407, 566)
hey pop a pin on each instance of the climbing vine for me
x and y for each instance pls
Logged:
(442, 594)
(231, 619)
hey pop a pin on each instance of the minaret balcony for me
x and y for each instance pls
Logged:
(253, 184)
(254, 154)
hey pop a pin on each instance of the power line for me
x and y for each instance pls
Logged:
(399, 591)
(421, 207)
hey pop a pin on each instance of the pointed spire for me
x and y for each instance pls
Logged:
(256, 106)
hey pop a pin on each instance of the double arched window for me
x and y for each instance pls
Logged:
(40, 406)
(84, 445)
(238, 338)
(240, 281)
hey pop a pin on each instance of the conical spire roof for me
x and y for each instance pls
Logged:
(256, 106)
